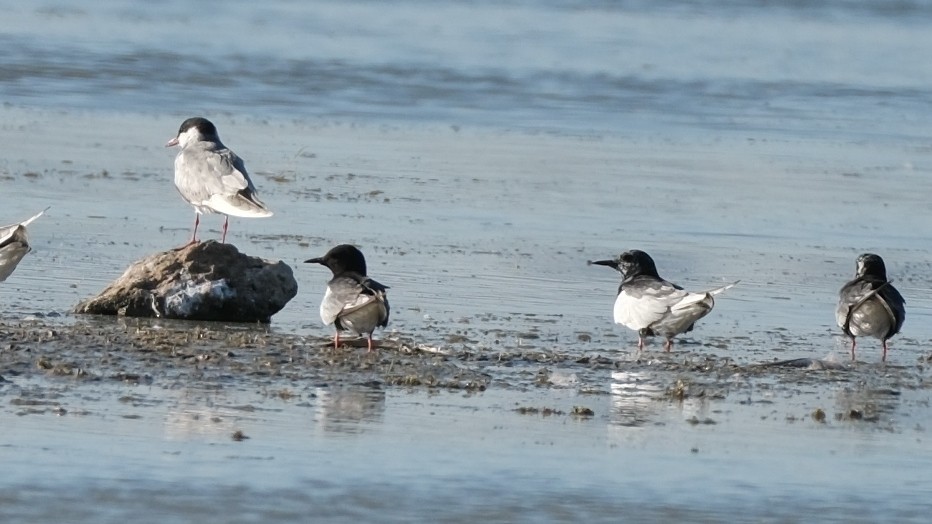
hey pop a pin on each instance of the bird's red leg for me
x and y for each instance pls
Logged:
(668, 344)
(853, 344)
(640, 342)
(336, 340)
(884, 359)
(226, 223)
(197, 221)
(370, 343)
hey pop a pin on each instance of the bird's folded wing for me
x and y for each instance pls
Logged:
(726, 287)
(637, 307)
(238, 196)
(692, 299)
(346, 294)
(853, 294)
(896, 304)
(201, 173)
(7, 233)
(378, 291)
(231, 171)
(13, 247)
(10, 234)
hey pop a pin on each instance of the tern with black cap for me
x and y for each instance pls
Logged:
(869, 305)
(211, 177)
(653, 306)
(353, 301)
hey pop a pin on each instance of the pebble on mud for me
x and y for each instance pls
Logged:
(202, 281)
(239, 436)
(818, 415)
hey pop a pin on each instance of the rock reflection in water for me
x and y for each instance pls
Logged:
(348, 409)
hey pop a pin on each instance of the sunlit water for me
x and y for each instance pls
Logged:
(479, 153)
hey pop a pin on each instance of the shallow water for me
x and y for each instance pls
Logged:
(355, 453)
(479, 154)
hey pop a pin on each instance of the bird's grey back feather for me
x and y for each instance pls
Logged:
(205, 169)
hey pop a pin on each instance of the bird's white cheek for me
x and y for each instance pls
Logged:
(191, 135)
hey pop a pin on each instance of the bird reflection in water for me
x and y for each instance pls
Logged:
(348, 410)
(634, 398)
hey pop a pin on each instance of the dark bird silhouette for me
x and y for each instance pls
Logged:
(869, 305)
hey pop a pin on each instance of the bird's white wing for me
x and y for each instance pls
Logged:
(688, 309)
(6, 232)
(14, 244)
(689, 300)
(12, 250)
(344, 294)
(718, 290)
(637, 307)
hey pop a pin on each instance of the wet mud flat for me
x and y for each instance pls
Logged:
(167, 354)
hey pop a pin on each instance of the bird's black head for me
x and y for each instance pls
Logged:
(194, 130)
(636, 262)
(204, 127)
(871, 265)
(342, 259)
(631, 264)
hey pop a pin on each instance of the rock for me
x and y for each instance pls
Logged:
(203, 281)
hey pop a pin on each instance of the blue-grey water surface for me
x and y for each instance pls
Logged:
(479, 153)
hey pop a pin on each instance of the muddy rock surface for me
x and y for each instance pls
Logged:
(203, 281)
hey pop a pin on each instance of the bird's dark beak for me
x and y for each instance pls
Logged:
(317, 260)
(610, 263)
(172, 142)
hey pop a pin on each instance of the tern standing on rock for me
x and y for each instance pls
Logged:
(652, 306)
(14, 244)
(869, 305)
(353, 301)
(211, 177)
